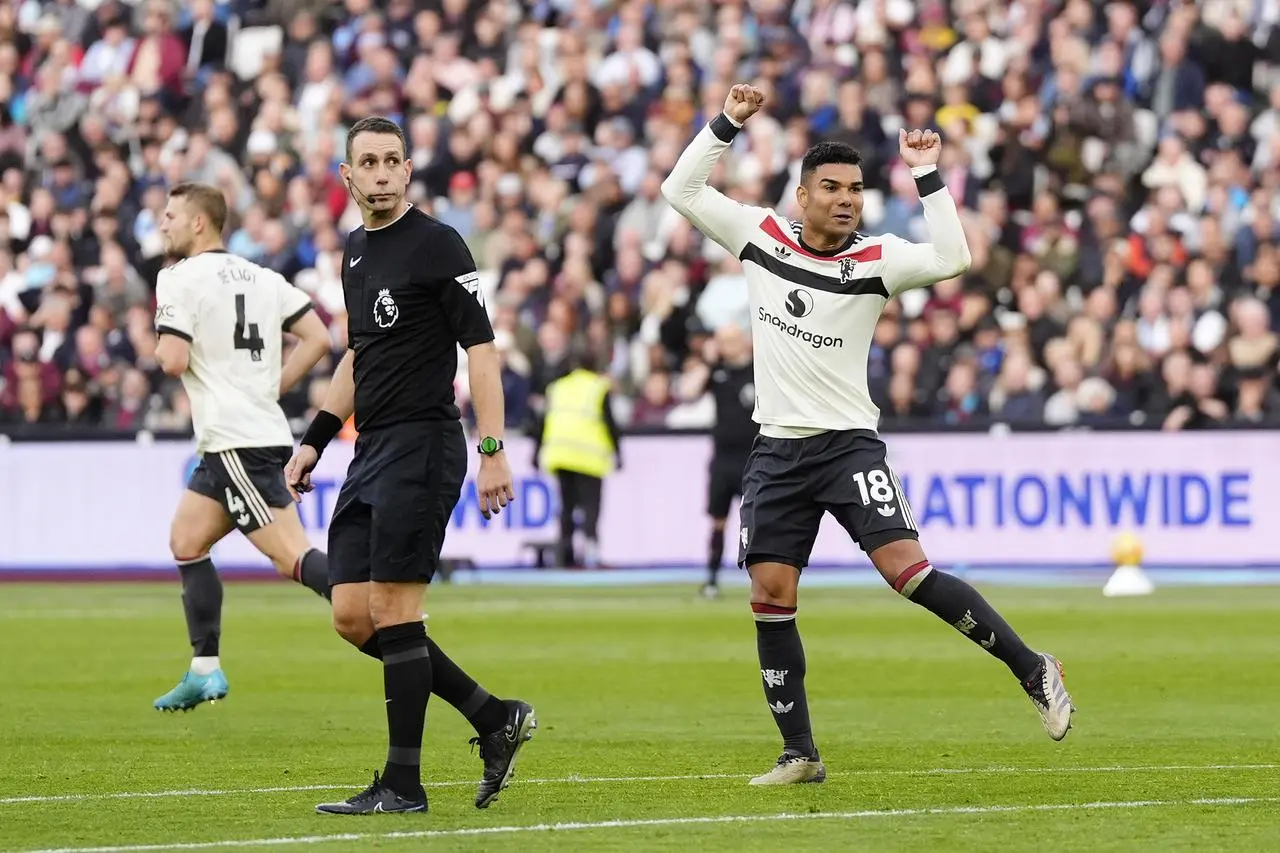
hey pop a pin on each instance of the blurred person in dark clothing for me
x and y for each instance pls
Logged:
(960, 400)
(944, 338)
(730, 379)
(1128, 372)
(1013, 400)
(28, 365)
(1198, 407)
(26, 403)
(655, 401)
(1257, 399)
(80, 401)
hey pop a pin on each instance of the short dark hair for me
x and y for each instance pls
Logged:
(375, 124)
(584, 359)
(828, 152)
(207, 198)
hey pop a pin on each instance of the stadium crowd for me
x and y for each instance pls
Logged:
(1117, 162)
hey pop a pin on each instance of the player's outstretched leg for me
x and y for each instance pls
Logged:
(782, 670)
(963, 607)
(312, 571)
(406, 679)
(502, 725)
(284, 542)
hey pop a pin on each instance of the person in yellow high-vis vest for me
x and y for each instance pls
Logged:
(579, 444)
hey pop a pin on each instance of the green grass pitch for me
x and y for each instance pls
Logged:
(652, 718)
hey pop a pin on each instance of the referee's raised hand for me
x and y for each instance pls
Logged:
(494, 484)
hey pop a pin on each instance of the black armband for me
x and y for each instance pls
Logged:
(724, 129)
(322, 430)
(930, 183)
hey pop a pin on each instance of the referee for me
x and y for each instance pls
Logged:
(731, 379)
(412, 297)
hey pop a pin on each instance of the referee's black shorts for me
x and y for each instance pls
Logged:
(392, 511)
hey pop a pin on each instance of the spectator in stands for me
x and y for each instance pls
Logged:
(1017, 397)
(1116, 168)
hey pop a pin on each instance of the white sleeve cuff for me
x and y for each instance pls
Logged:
(921, 171)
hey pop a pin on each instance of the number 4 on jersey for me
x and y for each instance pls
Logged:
(253, 341)
(875, 486)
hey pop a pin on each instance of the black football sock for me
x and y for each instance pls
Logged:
(202, 602)
(782, 671)
(715, 554)
(312, 571)
(963, 607)
(486, 713)
(406, 680)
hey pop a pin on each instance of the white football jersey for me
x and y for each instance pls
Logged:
(813, 315)
(233, 313)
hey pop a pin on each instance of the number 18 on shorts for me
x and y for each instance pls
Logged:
(791, 482)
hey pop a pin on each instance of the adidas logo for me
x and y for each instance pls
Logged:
(779, 708)
(782, 252)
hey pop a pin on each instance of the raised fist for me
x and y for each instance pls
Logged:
(919, 147)
(743, 102)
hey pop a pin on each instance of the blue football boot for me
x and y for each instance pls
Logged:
(192, 690)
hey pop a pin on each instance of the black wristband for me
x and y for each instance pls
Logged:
(322, 430)
(929, 183)
(724, 129)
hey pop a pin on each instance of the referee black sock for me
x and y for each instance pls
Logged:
(202, 603)
(782, 671)
(406, 679)
(963, 607)
(312, 571)
(485, 712)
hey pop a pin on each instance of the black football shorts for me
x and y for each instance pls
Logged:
(392, 510)
(248, 482)
(791, 482)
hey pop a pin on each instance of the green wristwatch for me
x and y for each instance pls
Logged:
(489, 445)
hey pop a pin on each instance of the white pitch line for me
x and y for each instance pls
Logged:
(654, 822)
(607, 780)
(147, 795)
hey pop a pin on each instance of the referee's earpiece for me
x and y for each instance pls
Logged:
(351, 188)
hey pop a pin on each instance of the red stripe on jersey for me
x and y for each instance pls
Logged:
(770, 226)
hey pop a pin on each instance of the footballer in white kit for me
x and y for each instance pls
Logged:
(817, 288)
(220, 321)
